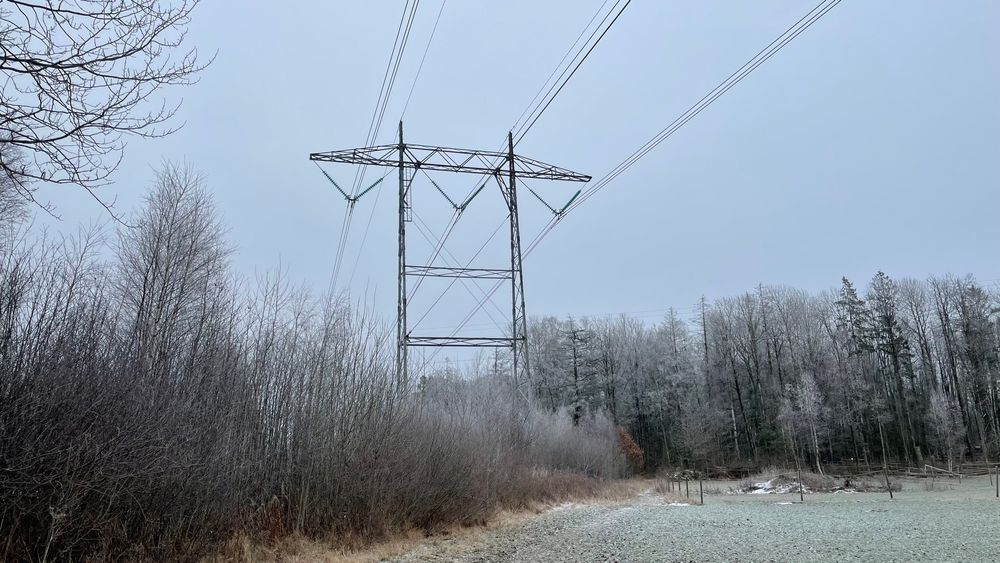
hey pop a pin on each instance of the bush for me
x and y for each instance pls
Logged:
(589, 448)
(150, 408)
(631, 450)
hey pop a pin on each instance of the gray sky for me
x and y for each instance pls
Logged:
(870, 142)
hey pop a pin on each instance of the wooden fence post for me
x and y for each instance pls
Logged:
(888, 485)
(798, 473)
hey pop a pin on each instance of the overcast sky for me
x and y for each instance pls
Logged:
(870, 142)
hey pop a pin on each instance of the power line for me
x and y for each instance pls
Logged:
(395, 72)
(762, 56)
(736, 77)
(364, 236)
(532, 108)
(423, 58)
(392, 69)
(388, 80)
(522, 132)
(407, 158)
(536, 113)
(559, 65)
(405, 22)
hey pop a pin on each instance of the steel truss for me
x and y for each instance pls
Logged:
(506, 167)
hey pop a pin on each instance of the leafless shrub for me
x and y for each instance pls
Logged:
(663, 486)
(590, 448)
(152, 407)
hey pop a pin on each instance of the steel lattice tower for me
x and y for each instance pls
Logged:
(506, 168)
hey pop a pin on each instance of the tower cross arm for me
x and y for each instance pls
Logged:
(468, 161)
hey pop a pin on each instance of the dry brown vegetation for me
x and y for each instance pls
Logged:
(552, 489)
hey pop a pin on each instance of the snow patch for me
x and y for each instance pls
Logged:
(776, 486)
(565, 506)
(678, 504)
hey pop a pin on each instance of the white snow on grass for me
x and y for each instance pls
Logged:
(770, 487)
(565, 506)
(678, 504)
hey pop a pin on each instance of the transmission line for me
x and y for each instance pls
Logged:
(559, 65)
(763, 55)
(424, 57)
(406, 105)
(388, 80)
(532, 108)
(520, 133)
(760, 58)
(536, 110)
(392, 69)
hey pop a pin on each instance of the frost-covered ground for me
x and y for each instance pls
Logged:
(958, 523)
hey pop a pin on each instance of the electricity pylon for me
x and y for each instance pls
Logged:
(506, 168)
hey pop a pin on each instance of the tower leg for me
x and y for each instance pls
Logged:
(519, 328)
(402, 377)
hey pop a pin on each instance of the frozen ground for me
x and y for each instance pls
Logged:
(958, 523)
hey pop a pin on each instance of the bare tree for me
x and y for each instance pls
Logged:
(152, 406)
(944, 416)
(894, 354)
(810, 403)
(12, 204)
(171, 264)
(80, 77)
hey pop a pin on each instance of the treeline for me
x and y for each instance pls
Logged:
(154, 405)
(909, 370)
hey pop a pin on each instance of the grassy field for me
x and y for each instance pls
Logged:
(944, 522)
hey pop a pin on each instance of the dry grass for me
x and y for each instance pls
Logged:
(672, 491)
(871, 484)
(664, 486)
(677, 486)
(543, 491)
(935, 485)
(299, 549)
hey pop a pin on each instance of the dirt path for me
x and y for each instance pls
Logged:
(950, 525)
